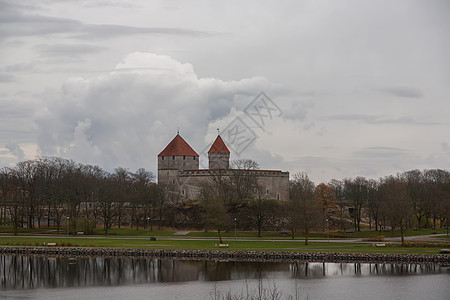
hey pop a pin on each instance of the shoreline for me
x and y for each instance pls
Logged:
(230, 255)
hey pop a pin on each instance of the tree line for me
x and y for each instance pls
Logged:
(412, 199)
(56, 192)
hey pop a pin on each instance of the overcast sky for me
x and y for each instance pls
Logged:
(350, 88)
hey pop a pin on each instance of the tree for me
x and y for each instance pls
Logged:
(373, 203)
(108, 207)
(397, 202)
(357, 192)
(262, 207)
(215, 212)
(338, 188)
(303, 210)
(243, 179)
(121, 179)
(326, 199)
(437, 181)
(142, 186)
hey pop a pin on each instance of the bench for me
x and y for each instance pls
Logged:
(223, 245)
(380, 245)
(51, 244)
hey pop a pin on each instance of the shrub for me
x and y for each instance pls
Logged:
(426, 244)
(86, 226)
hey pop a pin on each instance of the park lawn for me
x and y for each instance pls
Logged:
(124, 231)
(368, 233)
(189, 244)
(316, 234)
(134, 232)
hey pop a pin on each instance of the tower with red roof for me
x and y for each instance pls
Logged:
(219, 155)
(177, 156)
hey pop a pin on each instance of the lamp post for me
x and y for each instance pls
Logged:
(235, 229)
(328, 230)
(148, 228)
(68, 218)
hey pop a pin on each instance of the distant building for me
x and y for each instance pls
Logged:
(178, 169)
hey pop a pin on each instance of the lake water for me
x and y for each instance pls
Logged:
(40, 277)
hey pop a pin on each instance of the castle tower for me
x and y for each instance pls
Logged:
(177, 156)
(219, 155)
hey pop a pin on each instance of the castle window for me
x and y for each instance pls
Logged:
(184, 157)
(267, 192)
(162, 158)
(173, 157)
(193, 157)
(182, 192)
(173, 181)
(278, 196)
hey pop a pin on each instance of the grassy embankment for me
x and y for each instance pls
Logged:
(132, 238)
(189, 244)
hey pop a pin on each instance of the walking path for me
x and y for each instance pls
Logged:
(431, 237)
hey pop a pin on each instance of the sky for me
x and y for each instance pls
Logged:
(336, 89)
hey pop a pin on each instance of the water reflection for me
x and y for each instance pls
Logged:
(28, 272)
(316, 270)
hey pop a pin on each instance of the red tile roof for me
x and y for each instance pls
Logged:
(178, 147)
(218, 146)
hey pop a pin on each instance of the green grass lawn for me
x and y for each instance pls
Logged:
(265, 234)
(279, 245)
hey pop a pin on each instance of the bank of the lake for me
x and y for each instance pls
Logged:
(230, 255)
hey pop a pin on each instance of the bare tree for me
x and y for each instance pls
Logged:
(215, 212)
(338, 188)
(357, 192)
(397, 202)
(303, 209)
(243, 179)
(373, 203)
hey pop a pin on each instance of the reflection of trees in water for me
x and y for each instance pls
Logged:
(24, 272)
(316, 270)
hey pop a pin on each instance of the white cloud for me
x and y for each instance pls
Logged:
(125, 117)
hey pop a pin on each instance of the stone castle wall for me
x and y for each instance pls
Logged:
(274, 184)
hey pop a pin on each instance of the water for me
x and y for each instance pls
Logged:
(39, 277)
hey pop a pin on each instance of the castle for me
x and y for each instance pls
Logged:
(178, 170)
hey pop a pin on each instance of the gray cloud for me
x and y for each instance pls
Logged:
(403, 91)
(378, 119)
(22, 67)
(15, 150)
(380, 153)
(4, 77)
(298, 110)
(70, 50)
(19, 24)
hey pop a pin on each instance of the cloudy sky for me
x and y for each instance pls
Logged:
(334, 88)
